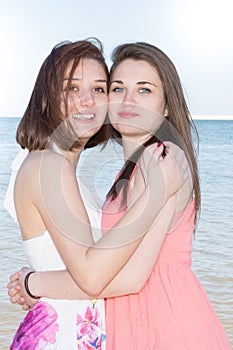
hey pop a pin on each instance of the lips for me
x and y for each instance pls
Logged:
(83, 116)
(127, 114)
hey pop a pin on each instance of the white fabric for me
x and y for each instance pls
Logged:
(9, 197)
(42, 255)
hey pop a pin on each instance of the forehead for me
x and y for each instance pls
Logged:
(86, 67)
(135, 69)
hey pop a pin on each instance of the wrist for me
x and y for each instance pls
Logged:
(29, 287)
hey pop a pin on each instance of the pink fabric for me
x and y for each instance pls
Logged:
(172, 311)
(89, 332)
(37, 330)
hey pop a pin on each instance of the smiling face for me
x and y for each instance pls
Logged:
(84, 97)
(136, 99)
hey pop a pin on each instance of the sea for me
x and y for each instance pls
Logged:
(213, 241)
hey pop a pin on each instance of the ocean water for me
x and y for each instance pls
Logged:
(213, 243)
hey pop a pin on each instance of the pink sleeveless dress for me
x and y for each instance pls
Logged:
(172, 311)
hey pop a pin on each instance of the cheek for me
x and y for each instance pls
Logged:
(70, 104)
(158, 106)
(102, 109)
(115, 97)
(101, 104)
(113, 109)
(73, 102)
(101, 101)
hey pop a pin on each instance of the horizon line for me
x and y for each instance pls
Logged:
(194, 116)
(212, 116)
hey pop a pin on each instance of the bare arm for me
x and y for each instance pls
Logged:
(125, 282)
(62, 210)
(60, 285)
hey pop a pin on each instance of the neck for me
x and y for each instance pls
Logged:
(73, 156)
(131, 144)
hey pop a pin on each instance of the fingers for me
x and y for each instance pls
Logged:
(157, 149)
(21, 301)
(25, 307)
(14, 293)
(13, 290)
(179, 165)
(174, 165)
(181, 162)
(15, 276)
(153, 153)
(13, 284)
(16, 299)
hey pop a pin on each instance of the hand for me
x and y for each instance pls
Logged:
(14, 289)
(29, 301)
(151, 153)
(172, 171)
(17, 292)
(175, 168)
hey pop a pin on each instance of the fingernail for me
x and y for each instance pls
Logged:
(159, 144)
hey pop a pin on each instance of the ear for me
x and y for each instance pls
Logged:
(165, 114)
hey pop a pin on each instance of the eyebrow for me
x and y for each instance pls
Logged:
(96, 81)
(138, 83)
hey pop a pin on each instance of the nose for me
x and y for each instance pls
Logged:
(87, 99)
(129, 99)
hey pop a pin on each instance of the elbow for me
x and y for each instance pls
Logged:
(93, 286)
(90, 282)
(135, 289)
(136, 286)
(93, 291)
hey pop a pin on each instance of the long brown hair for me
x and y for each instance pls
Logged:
(178, 126)
(43, 115)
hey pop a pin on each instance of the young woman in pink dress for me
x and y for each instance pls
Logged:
(158, 302)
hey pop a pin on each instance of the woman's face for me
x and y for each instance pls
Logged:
(136, 99)
(86, 97)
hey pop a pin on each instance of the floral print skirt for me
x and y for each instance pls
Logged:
(47, 327)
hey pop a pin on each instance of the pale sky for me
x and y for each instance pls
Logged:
(196, 34)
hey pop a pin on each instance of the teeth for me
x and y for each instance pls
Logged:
(83, 116)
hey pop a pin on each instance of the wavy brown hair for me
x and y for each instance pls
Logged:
(43, 116)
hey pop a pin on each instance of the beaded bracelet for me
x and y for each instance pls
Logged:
(26, 286)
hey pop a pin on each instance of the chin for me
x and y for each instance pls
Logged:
(88, 134)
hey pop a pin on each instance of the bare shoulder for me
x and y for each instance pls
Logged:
(36, 161)
(38, 165)
(28, 168)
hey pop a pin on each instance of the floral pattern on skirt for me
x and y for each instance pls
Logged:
(37, 330)
(89, 329)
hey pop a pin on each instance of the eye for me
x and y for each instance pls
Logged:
(118, 89)
(145, 90)
(71, 88)
(99, 89)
